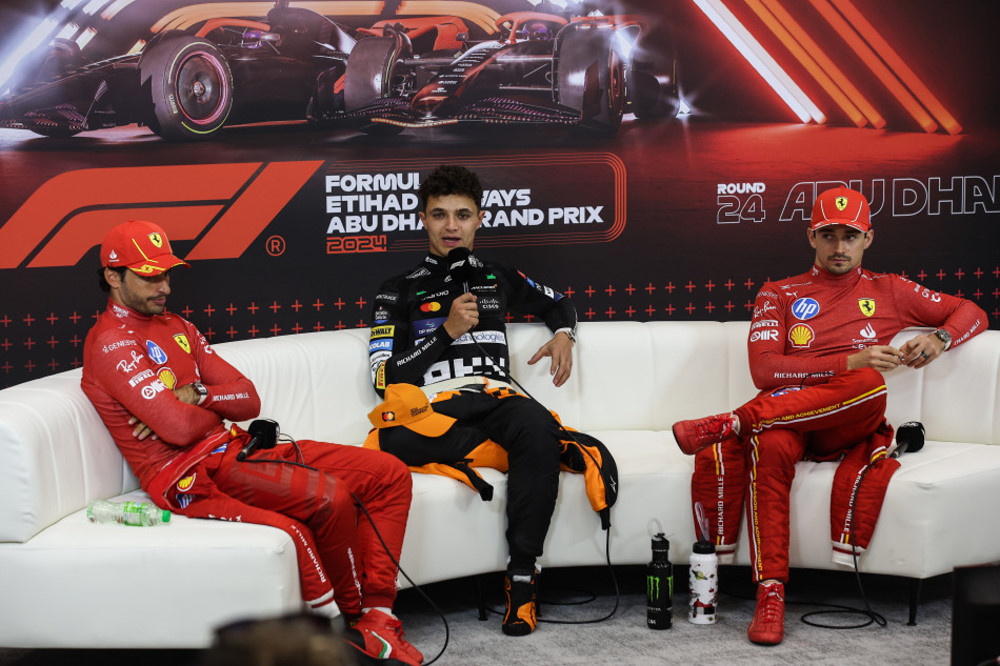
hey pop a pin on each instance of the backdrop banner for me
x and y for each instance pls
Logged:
(651, 159)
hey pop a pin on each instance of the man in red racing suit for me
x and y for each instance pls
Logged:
(818, 347)
(163, 393)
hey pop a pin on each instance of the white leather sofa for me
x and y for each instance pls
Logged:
(61, 578)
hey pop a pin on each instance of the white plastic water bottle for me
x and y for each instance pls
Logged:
(127, 513)
(703, 584)
(703, 579)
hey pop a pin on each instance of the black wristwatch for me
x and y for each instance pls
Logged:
(944, 336)
(200, 389)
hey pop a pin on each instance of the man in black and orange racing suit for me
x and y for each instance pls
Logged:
(818, 348)
(444, 334)
(163, 394)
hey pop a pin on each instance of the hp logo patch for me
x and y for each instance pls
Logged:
(805, 308)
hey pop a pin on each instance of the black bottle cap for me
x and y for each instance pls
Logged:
(703, 547)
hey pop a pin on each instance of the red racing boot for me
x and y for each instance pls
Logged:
(768, 626)
(697, 434)
(380, 636)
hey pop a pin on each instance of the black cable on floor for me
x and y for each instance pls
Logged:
(593, 596)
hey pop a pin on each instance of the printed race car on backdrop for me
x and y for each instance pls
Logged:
(527, 68)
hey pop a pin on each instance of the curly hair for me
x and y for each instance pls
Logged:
(450, 179)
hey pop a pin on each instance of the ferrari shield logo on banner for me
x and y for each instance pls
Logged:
(867, 306)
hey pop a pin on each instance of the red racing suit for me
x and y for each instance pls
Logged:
(812, 407)
(131, 363)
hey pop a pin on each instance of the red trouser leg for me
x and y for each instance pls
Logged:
(863, 473)
(771, 458)
(212, 502)
(383, 484)
(321, 499)
(852, 402)
(779, 429)
(719, 484)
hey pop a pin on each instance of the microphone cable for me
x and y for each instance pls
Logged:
(592, 597)
(837, 609)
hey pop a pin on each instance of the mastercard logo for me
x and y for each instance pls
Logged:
(433, 306)
(388, 416)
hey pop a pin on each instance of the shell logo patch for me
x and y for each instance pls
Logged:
(801, 336)
(867, 306)
(840, 203)
(182, 342)
(185, 484)
(166, 375)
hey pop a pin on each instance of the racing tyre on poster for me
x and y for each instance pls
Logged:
(652, 89)
(371, 69)
(590, 77)
(190, 87)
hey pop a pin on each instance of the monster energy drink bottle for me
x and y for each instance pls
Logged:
(659, 585)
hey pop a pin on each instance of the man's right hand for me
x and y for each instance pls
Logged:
(881, 357)
(463, 315)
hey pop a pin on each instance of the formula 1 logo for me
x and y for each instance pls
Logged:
(225, 206)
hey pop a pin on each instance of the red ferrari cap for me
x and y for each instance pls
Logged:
(841, 206)
(141, 247)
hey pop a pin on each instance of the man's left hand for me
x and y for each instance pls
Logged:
(921, 350)
(560, 348)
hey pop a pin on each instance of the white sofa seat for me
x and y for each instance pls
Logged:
(61, 577)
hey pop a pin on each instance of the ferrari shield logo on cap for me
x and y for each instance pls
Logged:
(157, 240)
(841, 203)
